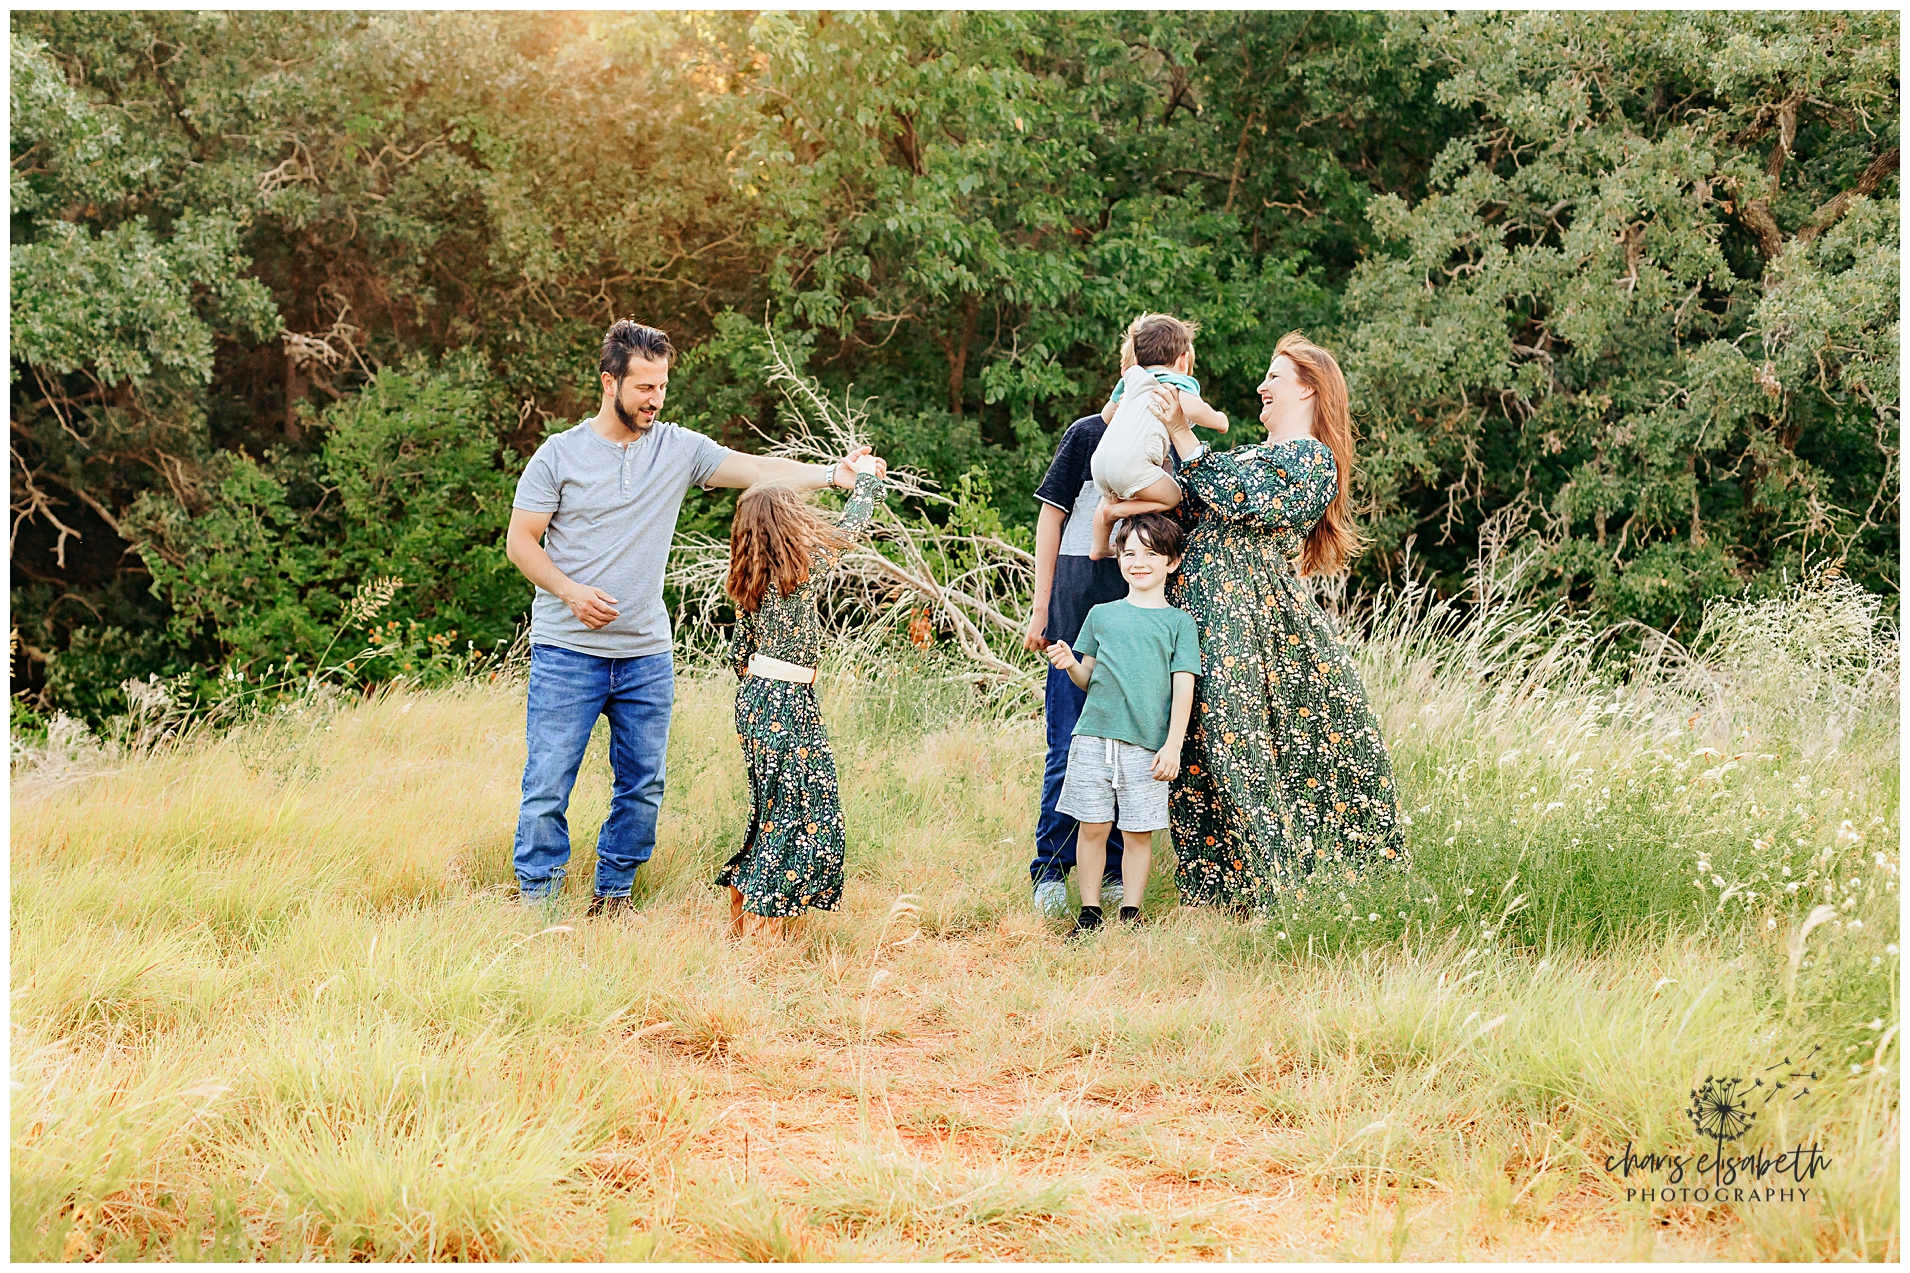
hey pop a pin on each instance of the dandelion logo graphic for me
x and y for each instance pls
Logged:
(1720, 1113)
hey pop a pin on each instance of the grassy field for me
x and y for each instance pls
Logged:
(271, 997)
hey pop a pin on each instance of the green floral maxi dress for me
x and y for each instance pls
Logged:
(791, 858)
(1284, 769)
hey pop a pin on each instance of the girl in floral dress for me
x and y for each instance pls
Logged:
(1284, 770)
(791, 858)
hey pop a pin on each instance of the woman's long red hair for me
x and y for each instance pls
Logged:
(772, 537)
(1334, 540)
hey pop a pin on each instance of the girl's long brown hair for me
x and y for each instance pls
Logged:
(772, 538)
(1334, 540)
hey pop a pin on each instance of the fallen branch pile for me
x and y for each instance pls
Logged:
(933, 562)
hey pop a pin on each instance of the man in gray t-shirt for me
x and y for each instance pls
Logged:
(591, 526)
(611, 511)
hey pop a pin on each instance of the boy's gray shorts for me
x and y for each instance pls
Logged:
(1106, 774)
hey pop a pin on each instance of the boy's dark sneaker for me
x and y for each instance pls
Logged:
(1089, 921)
(1130, 914)
(608, 907)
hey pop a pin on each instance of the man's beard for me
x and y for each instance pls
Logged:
(630, 422)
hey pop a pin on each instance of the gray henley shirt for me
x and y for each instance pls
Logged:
(613, 513)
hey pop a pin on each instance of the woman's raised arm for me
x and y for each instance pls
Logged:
(1279, 485)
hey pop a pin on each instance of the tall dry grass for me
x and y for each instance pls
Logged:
(271, 998)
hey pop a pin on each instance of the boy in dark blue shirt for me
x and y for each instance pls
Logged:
(1068, 584)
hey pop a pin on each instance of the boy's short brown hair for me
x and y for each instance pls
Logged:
(1158, 532)
(1159, 339)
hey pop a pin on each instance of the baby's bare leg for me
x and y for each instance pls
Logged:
(1157, 496)
(1103, 528)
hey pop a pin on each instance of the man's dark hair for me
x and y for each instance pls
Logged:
(1158, 532)
(628, 337)
(1160, 338)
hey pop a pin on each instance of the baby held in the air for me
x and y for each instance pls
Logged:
(1154, 396)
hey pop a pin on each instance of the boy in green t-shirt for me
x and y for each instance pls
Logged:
(1137, 659)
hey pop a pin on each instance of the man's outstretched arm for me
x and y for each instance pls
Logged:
(742, 470)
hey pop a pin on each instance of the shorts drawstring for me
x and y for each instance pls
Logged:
(1114, 763)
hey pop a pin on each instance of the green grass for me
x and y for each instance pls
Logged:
(270, 999)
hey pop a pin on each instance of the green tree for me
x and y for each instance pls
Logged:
(1650, 300)
(1629, 277)
(406, 485)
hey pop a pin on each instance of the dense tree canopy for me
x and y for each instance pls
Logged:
(293, 293)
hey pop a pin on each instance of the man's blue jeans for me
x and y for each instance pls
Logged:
(1055, 833)
(568, 692)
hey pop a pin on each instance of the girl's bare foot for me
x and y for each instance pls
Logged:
(769, 929)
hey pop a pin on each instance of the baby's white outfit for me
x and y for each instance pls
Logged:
(1134, 447)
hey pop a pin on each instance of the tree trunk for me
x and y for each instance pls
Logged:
(294, 394)
(956, 346)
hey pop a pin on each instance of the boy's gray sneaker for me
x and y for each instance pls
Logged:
(1051, 899)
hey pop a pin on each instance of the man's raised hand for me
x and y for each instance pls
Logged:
(593, 606)
(847, 467)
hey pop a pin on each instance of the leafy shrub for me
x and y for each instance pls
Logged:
(409, 484)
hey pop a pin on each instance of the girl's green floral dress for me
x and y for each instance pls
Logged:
(791, 858)
(1284, 769)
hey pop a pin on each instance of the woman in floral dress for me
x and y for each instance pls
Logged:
(791, 858)
(1284, 769)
